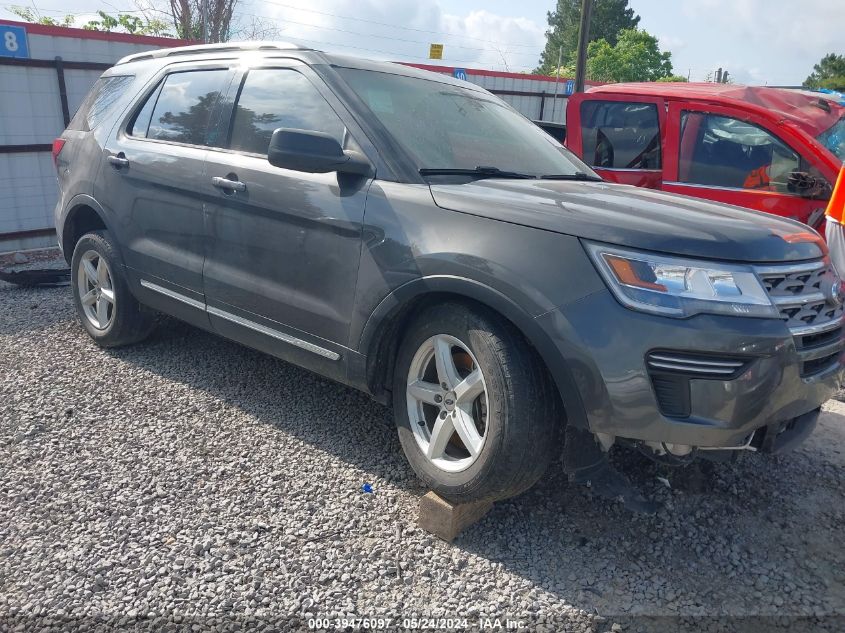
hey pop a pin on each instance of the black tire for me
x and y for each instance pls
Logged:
(524, 417)
(128, 321)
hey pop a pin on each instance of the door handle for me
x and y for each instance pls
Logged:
(230, 186)
(118, 162)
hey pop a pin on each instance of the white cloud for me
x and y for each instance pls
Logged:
(776, 39)
(403, 29)
(671, 43)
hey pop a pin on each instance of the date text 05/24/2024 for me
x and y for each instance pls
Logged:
(415, 623)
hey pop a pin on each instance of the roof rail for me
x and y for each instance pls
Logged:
(211, 48)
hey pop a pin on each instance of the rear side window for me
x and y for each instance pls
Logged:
(102, 96)
(180, 110)
(275, 97)
(620, 135)
(726, 152)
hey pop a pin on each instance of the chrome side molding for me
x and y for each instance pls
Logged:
(234, 318)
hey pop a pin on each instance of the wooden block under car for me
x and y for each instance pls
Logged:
(445, 519)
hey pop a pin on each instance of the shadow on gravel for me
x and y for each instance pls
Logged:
(327, 415)
(738, 537)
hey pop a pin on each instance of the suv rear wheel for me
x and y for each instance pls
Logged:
(106, 308)
(476, 411)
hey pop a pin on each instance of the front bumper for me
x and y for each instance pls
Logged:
(606, 346)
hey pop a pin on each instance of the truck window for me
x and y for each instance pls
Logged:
(620, 135)
(102, 96)
(182, 107)
(834, 139)
(722, 151)
(272, 98)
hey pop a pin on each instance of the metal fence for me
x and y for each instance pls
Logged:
(45, 72)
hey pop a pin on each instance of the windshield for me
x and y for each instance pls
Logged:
(834, 139)
(446, 127)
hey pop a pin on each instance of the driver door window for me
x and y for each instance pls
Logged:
(620, 135)
(721, 151)
(272, 98)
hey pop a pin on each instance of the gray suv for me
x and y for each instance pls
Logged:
(416, 238)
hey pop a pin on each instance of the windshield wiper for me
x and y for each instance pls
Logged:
(482, 171)
(578, 175)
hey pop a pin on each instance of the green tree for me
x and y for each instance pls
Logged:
(128, 24)
(608, 19)
(181, 18)
(828, 73)
(636, 57)
(122, 22)
(32, 15)
(674, 78)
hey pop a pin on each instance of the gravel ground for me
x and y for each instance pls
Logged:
(190, 480)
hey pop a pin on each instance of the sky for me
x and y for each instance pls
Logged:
(774, 42)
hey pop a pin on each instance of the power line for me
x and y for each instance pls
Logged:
(387, 37)
(394, 26)
(383, 52)
(352, 46)
(341, 17)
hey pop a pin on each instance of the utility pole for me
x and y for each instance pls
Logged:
(583, 40)
(557, 80)
(205, 21)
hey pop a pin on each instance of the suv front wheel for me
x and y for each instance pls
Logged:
(477, 413)
(106, 308)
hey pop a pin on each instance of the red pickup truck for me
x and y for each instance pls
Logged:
(767, 149)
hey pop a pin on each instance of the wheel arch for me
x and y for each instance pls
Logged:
(84, 214)
(382, 333)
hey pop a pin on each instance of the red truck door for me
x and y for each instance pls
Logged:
(720, 154)
(620, 136)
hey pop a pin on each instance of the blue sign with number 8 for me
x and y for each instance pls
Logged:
(13, 41)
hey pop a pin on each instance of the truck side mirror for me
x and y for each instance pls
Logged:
(808, 186)
(314, 152)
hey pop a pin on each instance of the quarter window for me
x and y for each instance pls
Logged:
(620, 135)
(99, 101)
(180, 111)
(727, 152)
(272, 98)
(141, 123)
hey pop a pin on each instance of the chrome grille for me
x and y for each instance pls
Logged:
(672, 371)
(800, 293)
(704, 366)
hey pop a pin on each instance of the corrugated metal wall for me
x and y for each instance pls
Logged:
(31, 116)
(527, 105)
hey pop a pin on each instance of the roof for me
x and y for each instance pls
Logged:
(811, 113)
(273, 49)
(198, 49)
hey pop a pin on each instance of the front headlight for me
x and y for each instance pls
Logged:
(680, 287)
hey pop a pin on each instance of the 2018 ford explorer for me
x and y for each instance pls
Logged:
(416, 238)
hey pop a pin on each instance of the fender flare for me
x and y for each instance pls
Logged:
(556, 363)
(81, 200)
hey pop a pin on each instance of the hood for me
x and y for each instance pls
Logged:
(636, 217)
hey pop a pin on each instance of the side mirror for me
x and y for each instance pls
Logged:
(808, 186)
(314, 152)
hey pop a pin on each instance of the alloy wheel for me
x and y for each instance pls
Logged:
(96, 291)
(447, 403)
